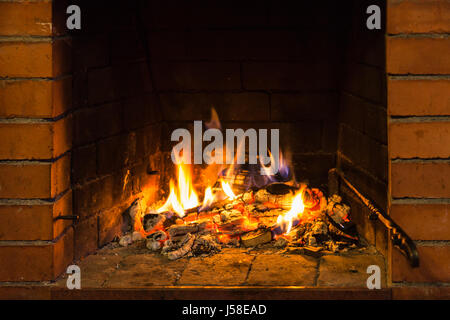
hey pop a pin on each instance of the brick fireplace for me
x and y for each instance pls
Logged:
(86, 117)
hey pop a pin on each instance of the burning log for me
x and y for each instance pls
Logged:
(151, 220)
(184, 249)
(254, 238)
(283, 201)
(181, 230)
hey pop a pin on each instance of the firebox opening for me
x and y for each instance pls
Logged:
(143, 69)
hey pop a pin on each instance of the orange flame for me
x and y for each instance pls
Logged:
(208, 198)
(228, 191)
(181, 198)
(295, 212)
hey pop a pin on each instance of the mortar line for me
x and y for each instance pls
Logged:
(316, 277)
(249, 269)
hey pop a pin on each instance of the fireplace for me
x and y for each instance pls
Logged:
(87, 117)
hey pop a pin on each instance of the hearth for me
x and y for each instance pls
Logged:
(109, 133)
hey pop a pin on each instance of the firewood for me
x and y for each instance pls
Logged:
(179, 230)
(151, 220)
(157, 235)
(253, 238)
(283, 200)
(184, 249)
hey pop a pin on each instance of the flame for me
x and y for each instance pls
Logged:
(208, 198)
(181, 198)
(228, 191)
(286, 220)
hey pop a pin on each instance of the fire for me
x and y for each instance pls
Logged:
(290, 218)
(183, 198)
(227, 189)
(208, 198)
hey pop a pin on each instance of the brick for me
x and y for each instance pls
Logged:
(348, 271)
(318, 17)
(134, 267)
(364, 81)
(167, 44)
(225, 14)
(43, 180)
(300, 137)
(35, 98)
(418, 97)
(34, 221)
(116, 152)
(364, 151)
(126, 46)
(84, 163)
(96, 123)
(286, 76)
(22, 18)
(368, 46)
(313, 167)
(279, 270)
(85, 237)
(262, 44)
(62, 57)
(423, 221)
(229, 106)
(18, 59)
(230, 269)
(35, 59)
(79, 89)
(434, 265)
(100, 86)
(291, 107)
(140, 111)
(148, 140)
(417, 55)
(420, 179)
(131, 79)
(418, 16)
(93, 196)
(419, 140)
(90, 51)
(197, 75)
(36, 262)
(364, 116)
(35, 140)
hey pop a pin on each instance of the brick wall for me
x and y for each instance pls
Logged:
(36, 138)
(116, 121)
(419, 141)
(362, 146)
